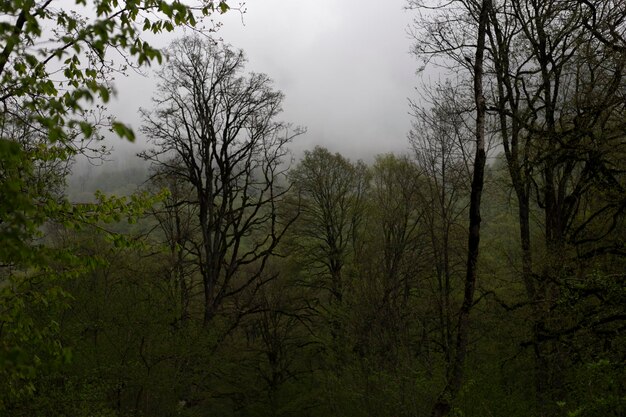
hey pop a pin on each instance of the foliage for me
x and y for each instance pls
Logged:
(240, 286)
(55, 62)
(84, 46)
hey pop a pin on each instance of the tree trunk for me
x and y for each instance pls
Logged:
(455, 379)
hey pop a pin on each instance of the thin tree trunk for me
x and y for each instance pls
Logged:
(455, 379)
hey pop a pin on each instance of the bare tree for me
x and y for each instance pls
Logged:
(215, 127)
(441, 139)
(464, 48)
(605, 20)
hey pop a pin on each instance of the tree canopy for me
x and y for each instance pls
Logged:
(479, 273)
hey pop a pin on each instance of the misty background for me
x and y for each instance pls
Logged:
(345, 69)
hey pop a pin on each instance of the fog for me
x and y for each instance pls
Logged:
(344, 67)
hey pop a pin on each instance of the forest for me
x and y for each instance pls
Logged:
(480, 273)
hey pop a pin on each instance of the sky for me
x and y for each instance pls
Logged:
(343, 65)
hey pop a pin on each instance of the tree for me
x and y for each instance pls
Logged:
(558, 94)
(216, 129)
(553, 76)
(605, 20)
(383, 324)
(330, 192)
(441, 140)
(478, 14)
(394, 221)
(55, 62)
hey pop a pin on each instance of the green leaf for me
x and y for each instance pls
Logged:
(86, 128)
(55, 134)
(123, 131)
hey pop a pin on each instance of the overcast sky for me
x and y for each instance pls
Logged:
(344, 66)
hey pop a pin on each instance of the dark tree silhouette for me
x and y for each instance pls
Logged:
(216, 128)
